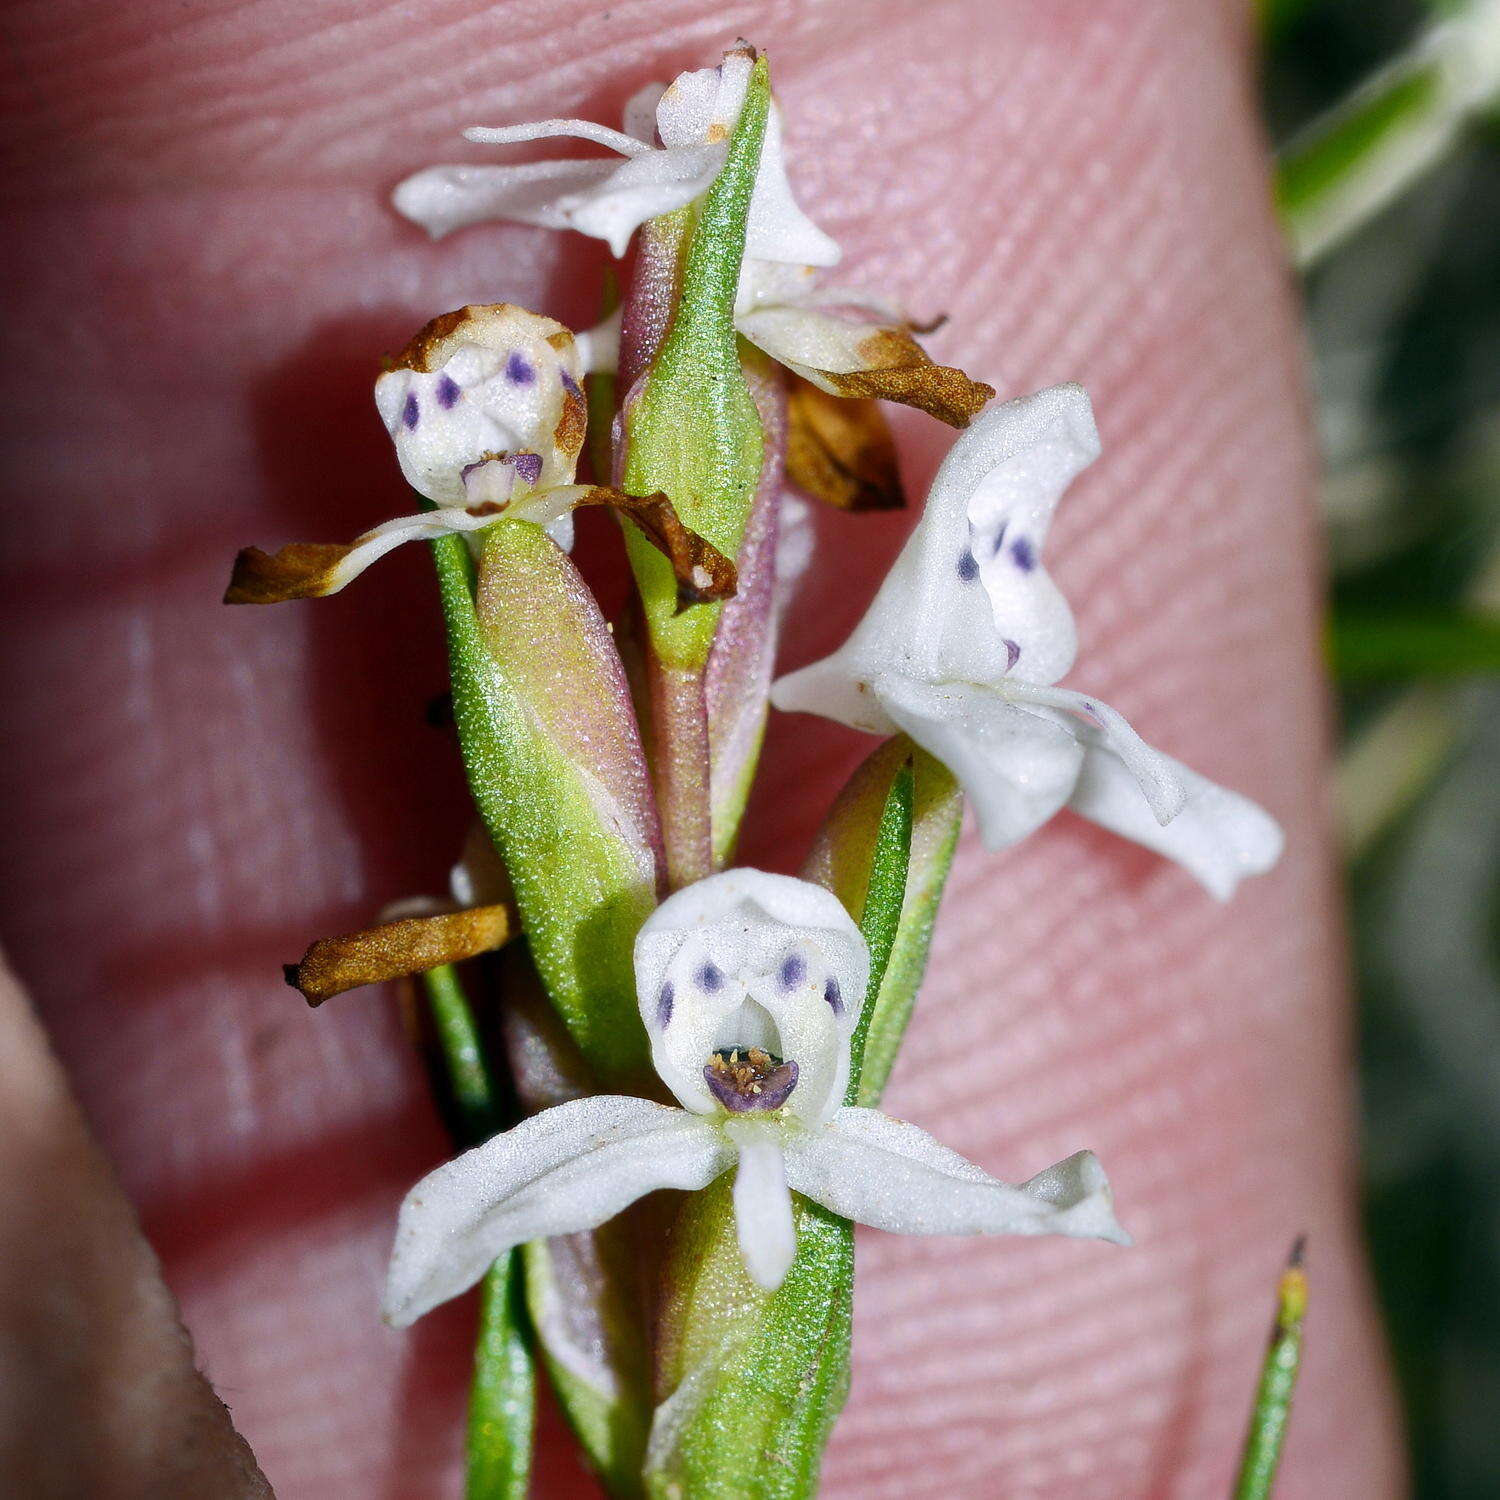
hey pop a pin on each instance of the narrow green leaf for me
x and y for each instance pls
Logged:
(843, 857)
(502, 1400)
(549, 745)
(693, 431)
(1399, 648)
(1278, 1376)
(885, 899)
(458, 1036)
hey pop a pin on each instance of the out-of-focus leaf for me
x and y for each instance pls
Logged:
(1398, 648)
(1340, 172)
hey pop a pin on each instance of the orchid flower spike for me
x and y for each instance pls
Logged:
(750, 986)
(673, 146)
(488, 419)
(967, 636)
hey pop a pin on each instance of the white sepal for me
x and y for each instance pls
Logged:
(566, 1169)
(883, 1172)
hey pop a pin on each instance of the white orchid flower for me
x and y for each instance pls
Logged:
(749, 985)
(967, 636)
(488, 418)
(673, 145)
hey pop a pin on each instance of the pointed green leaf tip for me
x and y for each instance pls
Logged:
(693, 431)
(1278, 1376)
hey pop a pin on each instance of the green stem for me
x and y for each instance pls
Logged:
(502, 1400)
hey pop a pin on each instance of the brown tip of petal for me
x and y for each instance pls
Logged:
(841, 451)
(704, 575)
(393, 949)
(494, 324)
(572, 425)
(899, 369)
(300, 570)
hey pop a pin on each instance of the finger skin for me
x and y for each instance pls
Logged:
(202, 275)
(98, 1394)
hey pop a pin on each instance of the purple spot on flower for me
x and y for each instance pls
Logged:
(999, 539)
(1012, 654)
(1023, 553)
(410, 412)
(793, 971)
(528, 467)
(834, 996)
(664, 1004)
(968, 569)
(709, 978)
(448, 392)
(570, 385)
(519, 370)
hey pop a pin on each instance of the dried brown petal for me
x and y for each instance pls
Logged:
(300, 570)
(704, 574)
(394, 949)
(898, 369)
(840, 451)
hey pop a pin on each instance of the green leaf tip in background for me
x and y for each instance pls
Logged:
(502, 1399)
(1273, 1396)
(1344, 168)
(555, 767)
(693, 431)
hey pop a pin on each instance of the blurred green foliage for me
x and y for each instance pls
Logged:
(1404, 330)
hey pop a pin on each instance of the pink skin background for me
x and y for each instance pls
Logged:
(201, 275)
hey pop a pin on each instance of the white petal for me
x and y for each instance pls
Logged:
(442, 199)
(1155, 773)
(1017, 767)
(583, 130)
(777, 229)
(566, 1169)
(599, 346)
(807, 340)
(744, 959)
(641, 189)
(606, 199)
(935, 619)
(762, 1205)
(883, 1172)
(389, 535)
(1219, 836)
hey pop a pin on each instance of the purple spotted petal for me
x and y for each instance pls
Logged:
(519, 370)
(528, 467)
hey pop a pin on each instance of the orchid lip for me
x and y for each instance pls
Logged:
(750, 1079)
